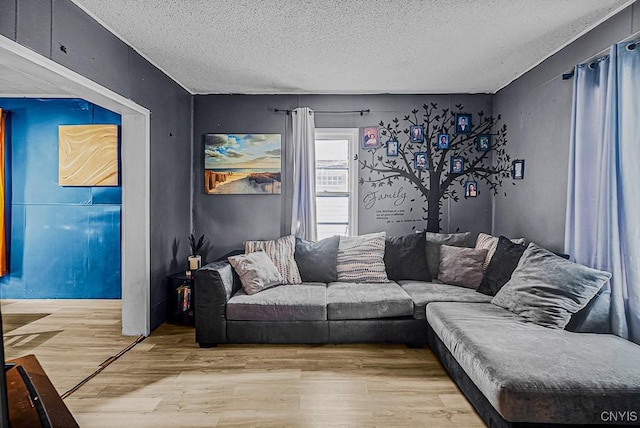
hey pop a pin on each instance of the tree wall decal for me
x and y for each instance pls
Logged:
(435, 183)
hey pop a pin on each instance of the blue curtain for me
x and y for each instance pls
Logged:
(303, 216)
(603, 211)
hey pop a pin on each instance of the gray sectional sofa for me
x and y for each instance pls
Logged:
(514, 372)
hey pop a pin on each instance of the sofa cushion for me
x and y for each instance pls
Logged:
(361, 258)
(281, 251)
(533, 374)
(317, 261)
(461, 266)
(490, 243)
(256, 271)
(422, 293)
(501, 266)
(435, 240)
(367, 300)
(547, 289)
(299, 302)
(405, 257)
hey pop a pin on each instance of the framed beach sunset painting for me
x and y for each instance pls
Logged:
(242, 164)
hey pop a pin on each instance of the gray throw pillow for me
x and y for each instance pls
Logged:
(461, 266)
(546, 289)
(434, 240)
(256, 271)
(317, 261)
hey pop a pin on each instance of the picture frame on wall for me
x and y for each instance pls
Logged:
(471, 189)
(392, 148)
(370, 137)
(416, 134)
(517, 169)
(242, 164)
(457, 164)
(484, 142)
(420, 161)
(463, 123)
(443, 142)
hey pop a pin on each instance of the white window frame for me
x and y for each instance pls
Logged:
(352, 135)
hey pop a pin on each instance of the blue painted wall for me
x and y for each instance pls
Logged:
(65, 241)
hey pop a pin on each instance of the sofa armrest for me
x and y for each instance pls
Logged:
(215, 283)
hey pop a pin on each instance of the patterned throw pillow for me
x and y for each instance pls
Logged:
(281, 252)
(490, 243)
(361, 258)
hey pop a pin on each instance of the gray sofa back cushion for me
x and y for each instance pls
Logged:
(404, 257)
(547, 289)
(317, 261)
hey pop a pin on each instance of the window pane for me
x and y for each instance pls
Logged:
(332, 209)
(332, 180)
(329, 230)
(332, 153)
(333, 183)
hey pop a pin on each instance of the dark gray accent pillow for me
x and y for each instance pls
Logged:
(502, 264)
(434, 240)
(461, 266)
(546, 289)
(317, 261)
(405, 257)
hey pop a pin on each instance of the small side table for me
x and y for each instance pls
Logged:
(180, 301)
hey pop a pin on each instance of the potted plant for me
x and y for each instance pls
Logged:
(195, 259)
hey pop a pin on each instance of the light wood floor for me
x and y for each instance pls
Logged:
(167, 381)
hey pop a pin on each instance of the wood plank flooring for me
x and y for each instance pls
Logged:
(167, 381)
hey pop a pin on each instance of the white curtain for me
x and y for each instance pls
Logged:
(303, 218)
(603, 212)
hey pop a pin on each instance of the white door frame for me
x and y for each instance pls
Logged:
(60, 82)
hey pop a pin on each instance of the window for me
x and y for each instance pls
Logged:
(336, 182)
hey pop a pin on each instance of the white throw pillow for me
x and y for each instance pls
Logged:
(256, 271)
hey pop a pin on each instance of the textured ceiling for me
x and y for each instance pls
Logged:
(347, 46)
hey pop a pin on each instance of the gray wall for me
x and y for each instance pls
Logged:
(47, 25)
(537, 108)
(228, 220)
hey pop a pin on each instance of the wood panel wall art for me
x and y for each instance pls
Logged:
(88, 155)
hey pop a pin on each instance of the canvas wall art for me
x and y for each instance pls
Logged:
(88, 155)
(236, 164)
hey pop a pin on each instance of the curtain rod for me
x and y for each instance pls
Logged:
(630, 47)
(362, 112)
